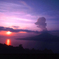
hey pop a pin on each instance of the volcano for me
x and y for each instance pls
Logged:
(45, 36)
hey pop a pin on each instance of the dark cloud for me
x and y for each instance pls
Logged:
(41, 23)
(1, 28)
(16, 27)
(15, 30)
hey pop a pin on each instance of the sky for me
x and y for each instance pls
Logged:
(29, 15)
(25, 18)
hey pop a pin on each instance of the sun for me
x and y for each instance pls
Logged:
(8, 33)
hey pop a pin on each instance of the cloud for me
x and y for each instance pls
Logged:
(24, 3)
(41, 23)
(11, 7)
(16, 27)
(15, 30)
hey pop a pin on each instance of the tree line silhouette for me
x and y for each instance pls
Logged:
(10, 49)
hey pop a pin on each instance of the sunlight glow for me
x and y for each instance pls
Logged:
(8, 33)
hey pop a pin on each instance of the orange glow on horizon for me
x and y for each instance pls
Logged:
(8, 33)
(8, 42)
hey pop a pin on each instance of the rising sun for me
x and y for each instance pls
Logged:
(8, 32)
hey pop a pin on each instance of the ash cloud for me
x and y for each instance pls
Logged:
(41, 23)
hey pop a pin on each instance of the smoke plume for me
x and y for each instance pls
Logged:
(41, 23)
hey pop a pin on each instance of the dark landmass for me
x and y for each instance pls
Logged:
(45, 36)
(10, 49)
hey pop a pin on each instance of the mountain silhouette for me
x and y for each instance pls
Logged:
(45, 36)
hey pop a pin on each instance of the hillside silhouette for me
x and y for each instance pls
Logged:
(10, 49)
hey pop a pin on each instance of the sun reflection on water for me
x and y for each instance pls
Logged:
(8, 42)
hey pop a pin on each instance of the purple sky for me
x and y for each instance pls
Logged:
(23, 14)
(25, 18)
